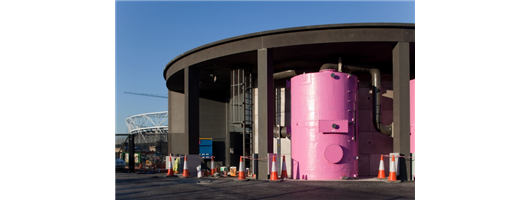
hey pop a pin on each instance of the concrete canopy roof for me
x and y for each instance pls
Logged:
(299, 48)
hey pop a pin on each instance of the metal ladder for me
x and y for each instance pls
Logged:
(248, 136)
(241, 109)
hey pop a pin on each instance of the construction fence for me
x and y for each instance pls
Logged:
(150, 149)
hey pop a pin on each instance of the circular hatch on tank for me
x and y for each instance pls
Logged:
(333, 153)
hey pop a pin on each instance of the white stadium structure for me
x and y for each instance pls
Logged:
(150, 130)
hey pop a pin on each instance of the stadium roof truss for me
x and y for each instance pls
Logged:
(148, 123)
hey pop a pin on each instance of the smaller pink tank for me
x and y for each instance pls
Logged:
(412, 116)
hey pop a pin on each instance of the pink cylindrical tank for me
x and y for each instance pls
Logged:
(413, 116)
(323, 125)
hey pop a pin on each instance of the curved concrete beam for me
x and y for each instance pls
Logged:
(333, 33)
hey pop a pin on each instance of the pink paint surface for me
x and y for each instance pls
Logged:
(323, 112)
(333, 126)
(412, 116)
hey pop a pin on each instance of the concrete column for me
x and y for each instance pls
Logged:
(176, 135)
(401, 106)
(227, 134)
(265, 110)
(191, 110)
(131, 153)
(170, 135)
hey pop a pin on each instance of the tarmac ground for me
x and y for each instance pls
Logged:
(157, 186)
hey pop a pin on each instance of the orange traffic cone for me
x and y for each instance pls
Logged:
(392, 174)
(241, 169)
(170, 170)
(212, 168)
(274, 173)
(185, 171)
(284, 171)
(381, 169)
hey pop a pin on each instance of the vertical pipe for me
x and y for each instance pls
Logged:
(238, 97)
(227, 131)
(278, 106)
(243, 98)
(244, 91)
(340, 64)
(243, 113)
(251, 115)
(231, 100)
(376, 94)
(240, 94)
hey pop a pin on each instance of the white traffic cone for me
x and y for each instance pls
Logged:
(381, 169)
(392, 173)
(284, 170)
(170, 170)
(274, 173)
(185, 171)
(241, 175)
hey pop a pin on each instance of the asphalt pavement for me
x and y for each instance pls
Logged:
(157, 186)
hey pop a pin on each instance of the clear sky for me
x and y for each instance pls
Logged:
(150, 34)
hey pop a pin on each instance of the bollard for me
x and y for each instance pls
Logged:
(199, 172)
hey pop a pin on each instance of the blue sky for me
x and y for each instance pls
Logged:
(150, 34)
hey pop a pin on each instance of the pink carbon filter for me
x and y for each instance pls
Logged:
(324, 126)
